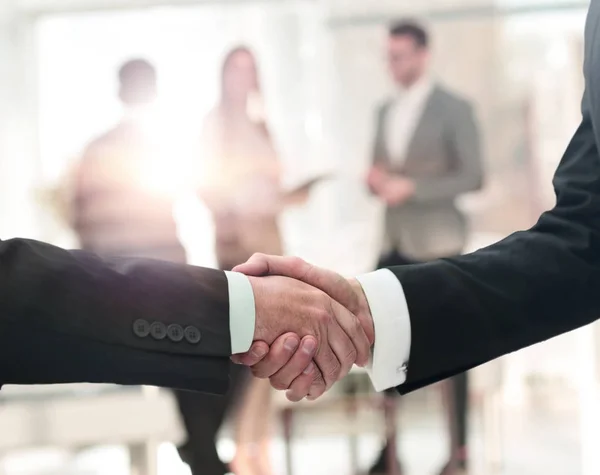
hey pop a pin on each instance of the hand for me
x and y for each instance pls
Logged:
(297, 355)
(376, 179)
(349, 293)
(288, 305)
(397, 190)
(288, 363)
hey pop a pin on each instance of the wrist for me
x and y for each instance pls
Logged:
(257, 289)
(364, 313)
(242, 311)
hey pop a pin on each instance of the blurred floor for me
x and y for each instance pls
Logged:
(541, 435)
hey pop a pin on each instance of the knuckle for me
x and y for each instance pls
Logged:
(296, 265)
(250, 361)
(279, 384)
(295, 261)
(258, 373)
(318, 383)
(298, 262)
(333, 372)
(356, 325)
(351, 356)
(307, 383)
(323, 316)
(317, 389)
(293, 396)
(261, 370)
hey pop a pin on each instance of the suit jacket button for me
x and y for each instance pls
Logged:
(158, 330)
(141, 328)
(175, 332)
(192, 335)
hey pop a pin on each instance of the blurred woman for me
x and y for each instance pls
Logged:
(241, 172)
(240, 184)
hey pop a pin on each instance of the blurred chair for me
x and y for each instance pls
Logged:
(78, 416)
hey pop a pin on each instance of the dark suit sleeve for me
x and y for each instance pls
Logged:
(532, 286)
(69, 317)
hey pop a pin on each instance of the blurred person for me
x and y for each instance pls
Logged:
(240, 183)
(114, 209)
(426, 154)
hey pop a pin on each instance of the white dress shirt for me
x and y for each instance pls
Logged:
(390, 353)
(403, 117)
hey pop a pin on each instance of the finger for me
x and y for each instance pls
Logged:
(343, 348)
(257, 352)
(328, 363)
(355, 331)
(280, 353)
(296, 365)
(257, 265)
(301, 386)
(364, 311)
(317, 388)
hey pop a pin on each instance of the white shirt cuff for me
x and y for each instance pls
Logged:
(389, 357)
(242, 313)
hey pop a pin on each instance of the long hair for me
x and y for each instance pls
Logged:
(227, 64)
(260, 121)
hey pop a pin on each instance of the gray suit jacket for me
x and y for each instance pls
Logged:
(444, 160)
(532, 286)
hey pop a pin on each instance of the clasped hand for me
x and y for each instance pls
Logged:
(312, 325)
(392, 189)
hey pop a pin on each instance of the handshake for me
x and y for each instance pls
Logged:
(311, 325)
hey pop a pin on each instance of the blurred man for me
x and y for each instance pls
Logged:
(120, 208)
(427, 153)
(115, 208)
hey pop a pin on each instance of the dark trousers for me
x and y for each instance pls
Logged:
(458, 404)
(203, 415)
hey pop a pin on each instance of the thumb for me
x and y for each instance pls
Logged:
(254, 355)
(257, 265)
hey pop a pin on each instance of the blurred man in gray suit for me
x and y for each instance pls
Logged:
(426, 154)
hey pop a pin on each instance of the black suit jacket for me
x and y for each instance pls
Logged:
(73, 317)
(533, 285)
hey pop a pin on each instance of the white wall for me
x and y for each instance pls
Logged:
(17, 136)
